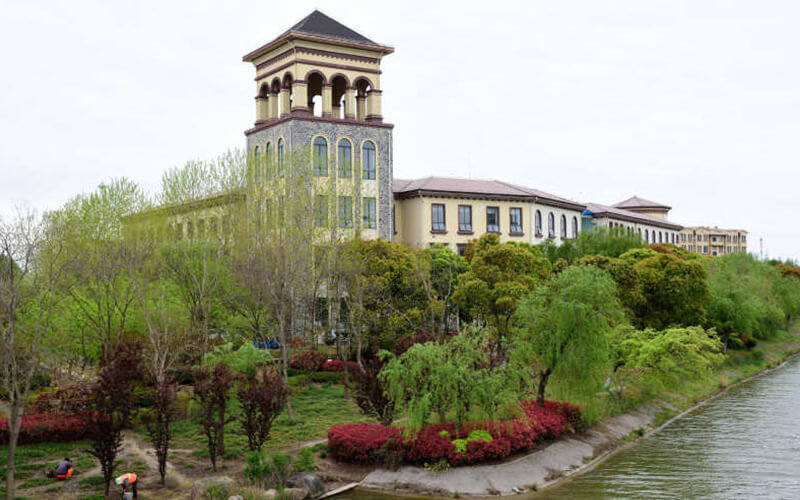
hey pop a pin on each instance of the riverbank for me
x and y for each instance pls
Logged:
(574, 455)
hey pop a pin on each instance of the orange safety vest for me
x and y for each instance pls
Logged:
(130, 476)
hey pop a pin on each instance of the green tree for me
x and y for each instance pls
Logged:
(564, 324)
(438, 269)
(629, 287)
(675, 292)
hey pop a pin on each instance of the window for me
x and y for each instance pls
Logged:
(280, 158)
(492, 219)
(394, 224)
(368, 160)
(563, 227)
(660, 237)
(575, 227)
(268, 163)
(345, 159)
(321, 210)
(257, 165)
(345, 211)
(551, 225)
(461, 248)
(515, 219)
(438, 224)
(465, 218)
(646, 236)
(538, 223)
(320, 157)
(369, 214)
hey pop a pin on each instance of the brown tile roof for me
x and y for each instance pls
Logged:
(600, 210)
(636, 202)
(493, 189)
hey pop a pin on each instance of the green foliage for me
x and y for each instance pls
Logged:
(634, 255)
(500, 275)
(563, 325)
(599, 241)
(245, 360)
(675, 292)
(629, 287)
(454, 378)
(304, 462)
(480, 435)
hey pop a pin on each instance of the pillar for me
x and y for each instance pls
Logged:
(262, 109)
(299, 98)
(284, 102)
(273, 105)
(327, 101)
(374, 105)
(350, 103)
(361, 102)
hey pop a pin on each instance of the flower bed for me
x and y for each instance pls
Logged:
(375, 443)
(49, 427)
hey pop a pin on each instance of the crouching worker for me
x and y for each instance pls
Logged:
(128, 483)
(62, 471)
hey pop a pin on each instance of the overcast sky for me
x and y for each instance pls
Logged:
(694, 104)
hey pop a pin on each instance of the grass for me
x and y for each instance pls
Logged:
(34, 482)
(91, 482)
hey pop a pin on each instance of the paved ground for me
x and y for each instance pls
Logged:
(560, 458)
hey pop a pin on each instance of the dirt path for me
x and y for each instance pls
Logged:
(134, 447)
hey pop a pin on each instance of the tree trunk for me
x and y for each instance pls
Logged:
(221, 431)
(543, 377)
(285, 362)
(14, 423)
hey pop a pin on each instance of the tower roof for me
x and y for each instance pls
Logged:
(636, 202)
(318, 26)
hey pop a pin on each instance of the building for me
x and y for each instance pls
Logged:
(637, 216)
(713, 241)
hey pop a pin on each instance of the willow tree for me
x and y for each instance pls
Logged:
(32, 281)
(563, 326)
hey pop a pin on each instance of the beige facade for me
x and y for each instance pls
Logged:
(713, 241)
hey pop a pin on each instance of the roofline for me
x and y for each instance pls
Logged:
(525, 198)
(293, 34)
(636, 219)
(660, 207)
(712, 229)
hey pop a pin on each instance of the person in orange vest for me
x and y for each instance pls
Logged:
(62, 471)
(128, 480)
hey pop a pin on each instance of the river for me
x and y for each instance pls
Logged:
(744, 445)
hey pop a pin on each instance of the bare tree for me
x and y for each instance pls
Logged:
(32, 269)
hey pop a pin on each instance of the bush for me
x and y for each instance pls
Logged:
(309, 361)
(337, 365)
(473, 443)
(49, 427)
(327, 377)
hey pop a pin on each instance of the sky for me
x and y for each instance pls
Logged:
(694, 104)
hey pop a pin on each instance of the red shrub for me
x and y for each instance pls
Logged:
(309, 361)
(373, 443)
(49, 427)
(337, 365)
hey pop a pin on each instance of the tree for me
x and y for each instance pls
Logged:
(111, 405)
(262, 396)
(32, 272)
(675, 291)
(211, 388)
(454, 377)
(500, 275)
(629, 287)
(158, 427)
(438, 269)
(563, 325)
(369, 393)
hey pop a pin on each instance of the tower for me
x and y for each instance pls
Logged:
(318, 88)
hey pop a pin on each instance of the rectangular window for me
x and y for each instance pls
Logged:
(438, 224)
(368, 160)
(369, 214)
(492, 219)
(321, 210)
(345, 211)
(345, 159)
(515, 217)
(465, 218)
(461, 248)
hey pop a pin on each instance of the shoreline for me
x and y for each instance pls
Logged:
(557, 462)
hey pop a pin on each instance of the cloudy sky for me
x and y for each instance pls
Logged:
(695, 104)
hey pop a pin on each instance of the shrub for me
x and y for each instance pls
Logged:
(337, 365)
(304, 461)
(49, 427)
(327, 377)
(474, 442)
(309, 361)
(261, 399)
(67, 401)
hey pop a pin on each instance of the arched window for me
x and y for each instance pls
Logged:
(345, 159)
(551, 225)
(368, 161)
(257, 165)
(268, 162)
(646, 236)
(563, 227)
(660, 237)
(280, 158)
(538, 223)
(574, 227)
(320, 157)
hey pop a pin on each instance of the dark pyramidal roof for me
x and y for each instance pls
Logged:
(636, 202)
(318, 23)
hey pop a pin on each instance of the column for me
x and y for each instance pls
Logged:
(262, 109)
(299, 98)
(350, 103)
(361, 102)
(273, 105)
(374, 105)
(284, 102)
(327, 101)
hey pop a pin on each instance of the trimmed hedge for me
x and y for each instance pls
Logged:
(375, 443)
(49, 428)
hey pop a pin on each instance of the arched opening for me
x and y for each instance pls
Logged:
(368, 161)
(363, 88)
(274, 94)
(574, 227)
(320, 157)
(257, 165)
(268, 162)
(281, 159)
(538, 223)
(551, 225)
(646, 236)
(338, 90)
(286, 94)
(563, 227)
(345, 159)
(314, 84)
